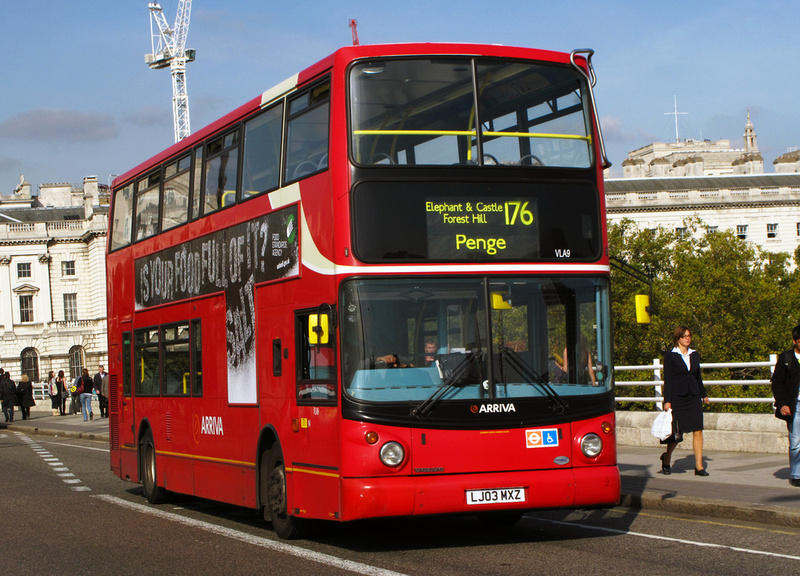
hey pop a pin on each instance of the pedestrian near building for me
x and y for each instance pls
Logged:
(25, 396)
(104, 390)
(785, 389)
(55, 398)
(685, 394)
(86, 395)
(8, 396)
(75, 394)
(63, 394)
(102, 397)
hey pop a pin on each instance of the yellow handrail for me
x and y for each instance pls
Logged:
(471, 133)
(540, 135)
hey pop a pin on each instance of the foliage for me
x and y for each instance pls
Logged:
(739, 301)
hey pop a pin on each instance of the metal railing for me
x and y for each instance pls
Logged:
(657, 383)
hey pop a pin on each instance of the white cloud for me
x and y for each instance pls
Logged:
(53, 125)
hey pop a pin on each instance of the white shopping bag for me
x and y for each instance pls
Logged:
(662, 426)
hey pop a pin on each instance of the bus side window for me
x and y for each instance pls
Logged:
(197, 180)
(122, 219)
(146, 367)
(197, 359)
(262, 152)
(175, 203)
(177, 362)
(307, 133)
(221, 172)
(147, 192)
(316, 359)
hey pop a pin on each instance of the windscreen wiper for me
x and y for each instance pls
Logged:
(454, 378)
(559, 405)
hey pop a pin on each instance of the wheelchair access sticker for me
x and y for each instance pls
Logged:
(541, 438)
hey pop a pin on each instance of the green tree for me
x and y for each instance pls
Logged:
(739, 302)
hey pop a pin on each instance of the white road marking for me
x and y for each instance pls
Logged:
(82, 447)
(282, 547)
(668, 539)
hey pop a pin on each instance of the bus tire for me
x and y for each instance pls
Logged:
(152, 491)
(285, 525)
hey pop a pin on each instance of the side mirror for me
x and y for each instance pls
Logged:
(642, 308)
(318, 329)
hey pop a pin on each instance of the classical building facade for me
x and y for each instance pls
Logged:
(53, 279)
(666, 183)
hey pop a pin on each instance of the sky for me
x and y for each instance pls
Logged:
(77, 99)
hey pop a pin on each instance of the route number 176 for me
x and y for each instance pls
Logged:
(514, 210)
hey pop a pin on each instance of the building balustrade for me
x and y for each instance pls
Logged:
(617, 199)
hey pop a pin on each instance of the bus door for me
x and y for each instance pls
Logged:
(125, 405)
(315, 459)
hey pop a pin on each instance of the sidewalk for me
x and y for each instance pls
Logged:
(741, 486)
(71, 425)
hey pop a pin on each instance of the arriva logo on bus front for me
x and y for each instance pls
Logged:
(492, 408)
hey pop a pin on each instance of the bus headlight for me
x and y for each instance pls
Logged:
(392, 454)
(591, 445)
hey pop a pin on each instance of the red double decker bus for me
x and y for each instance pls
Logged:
(379, 289)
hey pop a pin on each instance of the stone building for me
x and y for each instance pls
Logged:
(695, 158)
(666, 183)
(53, 279)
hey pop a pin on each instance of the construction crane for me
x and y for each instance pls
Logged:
(169, 49)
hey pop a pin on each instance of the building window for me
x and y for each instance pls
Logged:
(24, 270)
(741, 231)
(70, 307)
(798, 228)
(26, 308)
(30, 364)
(68, 268)
(681, 232)
(772, 230)
(77, 360)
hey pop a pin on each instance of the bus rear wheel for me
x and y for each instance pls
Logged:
(273, 474)
(152, 491)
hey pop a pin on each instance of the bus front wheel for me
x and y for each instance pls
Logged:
(152, 491)
(273, 474)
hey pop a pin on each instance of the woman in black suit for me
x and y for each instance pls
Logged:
(685, 394)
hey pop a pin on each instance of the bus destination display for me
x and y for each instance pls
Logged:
(501, 228)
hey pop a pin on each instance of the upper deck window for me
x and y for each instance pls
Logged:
(121, 219)
(307, 133)
(221, 170)
(423, 112)
(147, 190)
(262, 152)
(176, 193)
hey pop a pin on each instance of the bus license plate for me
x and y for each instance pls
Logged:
(495, 496)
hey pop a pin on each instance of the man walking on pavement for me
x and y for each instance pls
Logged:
(785, 389)
(8, 394)
(101, 397)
